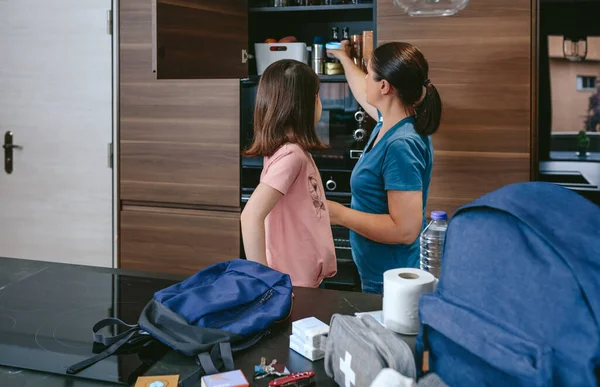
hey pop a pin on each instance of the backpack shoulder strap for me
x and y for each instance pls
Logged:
(220, 352)
(110, 340)
(113, 343)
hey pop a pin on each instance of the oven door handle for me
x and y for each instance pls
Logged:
(355, 154)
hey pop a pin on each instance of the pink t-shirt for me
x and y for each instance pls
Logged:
(298, 233)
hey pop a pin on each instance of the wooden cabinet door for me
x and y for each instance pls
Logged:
(179, 143)
(201, 38)
(176, 241)
(179, 139)
(480, 62)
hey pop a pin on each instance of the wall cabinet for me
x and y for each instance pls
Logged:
(215, 39)
(200, 38)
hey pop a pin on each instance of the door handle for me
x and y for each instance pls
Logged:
(8, 151)
(12, 146)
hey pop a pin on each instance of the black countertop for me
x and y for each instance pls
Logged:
(20, 279)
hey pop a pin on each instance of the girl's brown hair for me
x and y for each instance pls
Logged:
(285, 109)
(407, 70)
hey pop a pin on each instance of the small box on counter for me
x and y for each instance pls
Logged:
(305, 350)
(160, 380)
(226, 379)
(311, 331)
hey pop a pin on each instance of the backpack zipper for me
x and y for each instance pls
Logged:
(252, 307)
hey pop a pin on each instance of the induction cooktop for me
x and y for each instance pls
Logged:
(46, 321)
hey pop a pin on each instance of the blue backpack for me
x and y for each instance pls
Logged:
(224, 308)
(518, 301)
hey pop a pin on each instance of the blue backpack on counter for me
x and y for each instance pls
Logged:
(518, 300)
(226, 307)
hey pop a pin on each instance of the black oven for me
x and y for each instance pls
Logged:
(345, 128)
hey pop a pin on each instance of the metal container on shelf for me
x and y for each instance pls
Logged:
(334, 68)
(318, 58)
(357, 49)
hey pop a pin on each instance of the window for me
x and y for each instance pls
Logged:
(585, 83)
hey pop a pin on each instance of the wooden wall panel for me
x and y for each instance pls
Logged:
(179, 138)
(177, 241)
(480, 61)
(460, 177)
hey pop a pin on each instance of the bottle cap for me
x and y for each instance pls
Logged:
(333, 45)
(439, 215)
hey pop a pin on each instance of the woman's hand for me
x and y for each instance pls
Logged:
(355, 77)
(335, 212)
(341, 53)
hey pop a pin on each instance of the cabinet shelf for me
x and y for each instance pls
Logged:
(323, 78)
(313, 8)
(333, 78)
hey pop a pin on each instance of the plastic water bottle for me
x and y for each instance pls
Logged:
(432, 243)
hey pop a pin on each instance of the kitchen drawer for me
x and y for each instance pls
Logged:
(176, 241)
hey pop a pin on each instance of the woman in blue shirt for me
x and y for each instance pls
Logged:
(391, 179)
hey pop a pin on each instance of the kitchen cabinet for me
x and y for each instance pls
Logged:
(305, 23)
(200, 38)
(178, 146)
(179, 139)
(480, 60)
(176, 241)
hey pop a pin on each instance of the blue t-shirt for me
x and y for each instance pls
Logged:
(400, 161)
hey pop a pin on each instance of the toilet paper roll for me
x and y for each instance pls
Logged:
(402, 289)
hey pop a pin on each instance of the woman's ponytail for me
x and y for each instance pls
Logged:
(429, 111)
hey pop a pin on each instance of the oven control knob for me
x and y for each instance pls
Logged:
(331, 185)
(359, 134)
(359, 116)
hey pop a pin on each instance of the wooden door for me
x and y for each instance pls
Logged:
(201, 39)
(56, 100)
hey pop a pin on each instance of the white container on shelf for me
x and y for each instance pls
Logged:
(267, 53)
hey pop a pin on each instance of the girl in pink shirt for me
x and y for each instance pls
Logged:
(285, 224)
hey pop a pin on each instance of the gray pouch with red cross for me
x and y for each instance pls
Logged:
(358, 348)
